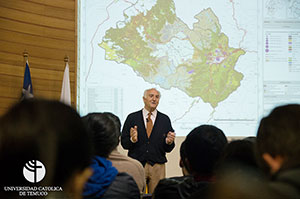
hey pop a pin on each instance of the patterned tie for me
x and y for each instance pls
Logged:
(149, 125)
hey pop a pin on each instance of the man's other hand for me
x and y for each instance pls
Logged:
(133, 134)
(170, 137)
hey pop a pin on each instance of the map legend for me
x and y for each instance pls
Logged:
(274, 51)
(294, 52)
(282, 49)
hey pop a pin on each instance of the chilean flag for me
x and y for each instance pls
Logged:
(27, 91)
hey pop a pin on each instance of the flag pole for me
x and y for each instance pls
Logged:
(25, 55)
(66, 59)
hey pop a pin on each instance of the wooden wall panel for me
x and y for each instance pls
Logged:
(28, 39)
(35, 51)
(37, 19)
(16, 59)
(9, 24)
(70, 4)
(41, 9)
(46, 29)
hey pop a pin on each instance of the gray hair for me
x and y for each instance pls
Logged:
(146, 91)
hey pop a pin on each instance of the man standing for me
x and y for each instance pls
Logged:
(148, 135)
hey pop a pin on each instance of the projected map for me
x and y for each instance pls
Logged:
(162, 49)
(221, 62)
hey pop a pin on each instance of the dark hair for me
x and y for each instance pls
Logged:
(104, 130)
(204, 146)
(116, 120)
(43, 130)
(239, 152)
(182, 150)
(183, 157)
(279, 134)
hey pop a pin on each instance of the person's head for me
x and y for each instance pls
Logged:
(151, 99)
(204, 146)
(237, 183)
(115, 119)
(53, 134)
(182, 162)
(104, 130)
(239, 152)
(278, 138)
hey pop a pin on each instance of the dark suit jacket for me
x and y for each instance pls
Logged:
(152, 150)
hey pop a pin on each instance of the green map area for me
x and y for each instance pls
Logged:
(163, 50)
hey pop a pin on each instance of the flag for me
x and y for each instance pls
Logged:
(27, 91)
(65, 95)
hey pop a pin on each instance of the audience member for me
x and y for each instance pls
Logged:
(124, 163)
(278, 146)
(239, 154)
(200, 152)
(238, 174)
(51, 133)
(182, 162)
(106, 181)
(243, 183)
(278, 154)
(167, 188)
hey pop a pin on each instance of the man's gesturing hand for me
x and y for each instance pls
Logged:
(133, 134)
(170, 137)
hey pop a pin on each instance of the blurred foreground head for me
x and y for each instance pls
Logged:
(240, 182)
(278, 138)
(203, 147)
(104, 131)
(51, 133)
(239, 153)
